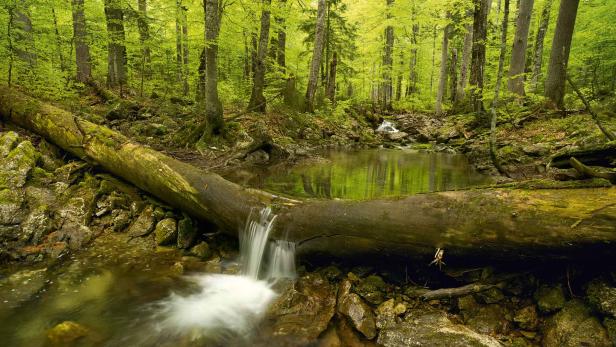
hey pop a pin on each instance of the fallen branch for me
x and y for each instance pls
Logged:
(448, 293)
(591, 172)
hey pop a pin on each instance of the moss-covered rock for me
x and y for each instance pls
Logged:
(550, 298)
(187, 233)
(144, 224)
(575, 326)
(351, 306)
(166, 231)
(8, 141)
(201, 250)
(66, 334)
(602, 297)
(16, 166)
(372, 289)
(527, 318)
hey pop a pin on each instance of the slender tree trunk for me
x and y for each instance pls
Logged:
(116, 59)
(442, 85)
(520, 43)
(479, 59)
(453, 75)
(433, 59)
(538, 53)
(179, 49)
(559, 57)
(185, 52)
(388, 61)
(144, 30)
(331, 82)
(213, 106)
(316, 55)
(412, 87)
(9, 38)
(82, 50)
(399, 83)
(23, 34)
(63, 67)
(499, 78)
(466, 58)
(257, 101)
(281, 55)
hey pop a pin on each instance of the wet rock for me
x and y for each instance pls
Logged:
(120, 220)
(527, 318)
(8, 141)
(75, 214)
(426, 327)
(187, 233)
(372, 289)
(16, 166)
(386, 314)
(492, 296)
(258, 157)
(36, 225)
(166, 231)
(356, 310)
(610, 326)
(332, 273)
(304, 309)
(11, 202)
(602, 296)
(574, 326)
(397, 136)
(201, 250)
(144, 224)
(213, 265)
(489, 319)
(550, 299)
(66, 334)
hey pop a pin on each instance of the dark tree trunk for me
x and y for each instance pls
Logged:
(538, 53)
(316, 56)
(185, 51)
(442, 85)
(331, 82)
(433, 59)
(257, 101)
(559, 57)
(181, 44)
(453, 75)
(399, 83)
(23, 34)
(466, 58)
(388, 61)
(478, 61)
(63, 67)
(201, 78)
(144, 30)
(213, 106)
(281, 55)
(520, 43)
(412, 87)
(116, 58)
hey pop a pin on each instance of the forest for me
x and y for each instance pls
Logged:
(307, 173)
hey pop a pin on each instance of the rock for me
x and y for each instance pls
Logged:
(610, 326)
(492, 296)
(8, 141)
(426, 327)
(166, 231)
(332, 273)
(304, 308)
(187, 234)
(602, 297)
(144, 224)
(385, 314)
(66, 334)
(36, 225)
(397, 136)
(201, 250)
(574, 326)
(536, 150)
(550, 299)
(359, 314)
(22, 286)
(527, 318)
(11, 202)
(489, 319)
(121, 220)
(75, 214)
(258, 157)
(371, 288)
(467, 304)
(16, 166)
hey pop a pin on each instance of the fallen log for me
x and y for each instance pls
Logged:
(491, 223)
(599, 155)
(592, 172)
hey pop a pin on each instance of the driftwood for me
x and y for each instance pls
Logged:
(489, 224)
(448, 293)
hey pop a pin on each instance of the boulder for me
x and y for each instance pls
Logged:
(76, 213)
(201, 250)
(11, 202)
(602, 297)
(16, 166)
(550, 299)
(351, 306)
(144, 224)
(372, 289)
(8, 141)
(527, 318)
(489, 319)
(166, 231)
(187, 233)
(427, 327)
(66, 334)
(574, 326)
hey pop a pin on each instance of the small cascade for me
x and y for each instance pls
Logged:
(253, 241)
(282, 260)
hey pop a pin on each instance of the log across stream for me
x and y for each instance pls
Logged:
(491, 223)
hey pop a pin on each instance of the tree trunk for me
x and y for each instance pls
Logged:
(331, 82)
(520, 43)
(144, 30)
(559, 57)
(181, 45)
(478, 62)
(116, 56)
(82, 50)
(388, 60)
(442, 84)
(281, 56)
(213, 106)
(412, 87)
(201, 78)
(453, 75)
(63, 67)
(399, 83)
(185, 51)
(317, 52)
(23, 33)
(257, 101)
(538, 53)
(474, 225)
(433, 59)
(466, 58)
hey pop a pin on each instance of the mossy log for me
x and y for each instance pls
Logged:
(599, 155)
(490, 223)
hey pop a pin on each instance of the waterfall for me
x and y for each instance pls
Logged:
(282, 260)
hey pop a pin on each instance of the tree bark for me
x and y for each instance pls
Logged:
(412, 87)
(281, 56)
(116, 48)
(82, 50)
(257, 101)
(559, 57)
(317, 53)
(442, 85)
(144, 30)
(538, 53)
(480, 22)
(466, 58)
(331, 82)
(520, 43)
(453, 75)
(488, 224)
(388, 61)
(213, 106)
(23, 33)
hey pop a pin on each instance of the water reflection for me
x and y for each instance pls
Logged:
(367, 174)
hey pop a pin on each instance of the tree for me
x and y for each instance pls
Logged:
(316, 55)
(480, 19)
(538, 53)
(257, 99)
(213, 106)
(82, 50)
(116, 47)
(518, 53)
(388, 61)
(331, 81)
(442, 85)
(413, 76)
(466, 57)
(559, 57)
(181, 43)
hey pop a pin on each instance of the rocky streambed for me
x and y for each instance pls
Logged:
(83, 253)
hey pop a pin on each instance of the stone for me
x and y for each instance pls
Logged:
(187, 234)
(550, 299)
(602, 297)
(36, 225)
(488, 319)
(16, 166)
(201, 250)
(372, 289)
(144, 224)
(574, 326)
(492, 296)
(166, 231)
(332, 273)
(304, 308)
(11, 202)
(610, 326)
(432, 328)
(258, 157)
(66, 333)
(8, 141)
(21, 286)
(397, 136)
(359, 314)
(527, 318)
(76, 213)
(121, 220)
(385, 314)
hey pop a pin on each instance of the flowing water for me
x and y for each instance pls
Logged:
(365, 174)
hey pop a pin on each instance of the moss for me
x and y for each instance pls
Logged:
(552, 184)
